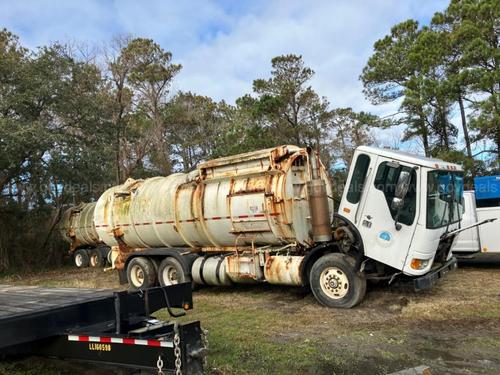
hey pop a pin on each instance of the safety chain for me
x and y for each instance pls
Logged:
(177, 350)
(159, 365)
(204, 340)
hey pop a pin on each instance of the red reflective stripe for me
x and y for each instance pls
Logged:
(191, 220)
(129, 341)
(105, 339)
(154, 343)
(83, 338)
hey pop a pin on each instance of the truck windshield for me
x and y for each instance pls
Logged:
(444, 198)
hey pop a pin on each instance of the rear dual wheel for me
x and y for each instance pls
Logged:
(142, 273)
(335, 283)
(96, 259)
(171, 272)
(81, 258)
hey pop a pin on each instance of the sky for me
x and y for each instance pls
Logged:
(224, 45)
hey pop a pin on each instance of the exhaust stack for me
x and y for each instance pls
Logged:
(318, 202)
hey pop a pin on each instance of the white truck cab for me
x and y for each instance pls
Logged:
(402, 206)
(484, 238)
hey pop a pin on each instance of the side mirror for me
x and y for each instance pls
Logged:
(403, 184)
(397, 203)
(402, 187)
(401, 190)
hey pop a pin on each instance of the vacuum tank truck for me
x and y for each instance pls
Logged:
(77, 228)
(268, 216)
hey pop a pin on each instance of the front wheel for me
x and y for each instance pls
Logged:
(334, 282)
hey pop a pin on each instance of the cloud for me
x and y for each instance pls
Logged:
(224, 45)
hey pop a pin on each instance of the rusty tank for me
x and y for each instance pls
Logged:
(248, 200)
(77, 226)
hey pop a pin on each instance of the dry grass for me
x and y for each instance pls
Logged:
(454, 328)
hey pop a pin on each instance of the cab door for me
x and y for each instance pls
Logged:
(468, 240)
(387, 230)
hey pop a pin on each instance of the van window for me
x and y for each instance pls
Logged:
(386, 180)
(358, 178)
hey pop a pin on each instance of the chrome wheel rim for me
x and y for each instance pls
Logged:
(334, 282)
(93, 260)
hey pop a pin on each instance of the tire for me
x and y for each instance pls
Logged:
(81, 258)
(96, 260)
(141, 273)
(171, 272)
(108, 257)
(334, 282)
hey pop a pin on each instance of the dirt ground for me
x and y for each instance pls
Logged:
(453, 328)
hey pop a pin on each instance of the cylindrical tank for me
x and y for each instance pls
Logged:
(77, 226)
(252, 199)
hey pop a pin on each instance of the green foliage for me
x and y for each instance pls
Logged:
(194, 125)
(450, 64)
(70, 128)
(51, 145)
(293, 111)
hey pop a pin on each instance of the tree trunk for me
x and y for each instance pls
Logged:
(425, 139)
(466, 134)
(498, 148)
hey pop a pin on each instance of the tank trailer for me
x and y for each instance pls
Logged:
(268, 216)
(77, 228)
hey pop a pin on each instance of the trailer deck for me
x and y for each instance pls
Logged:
(102, 326)
(17, 301)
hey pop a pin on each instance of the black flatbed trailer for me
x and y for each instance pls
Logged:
(102, 326)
